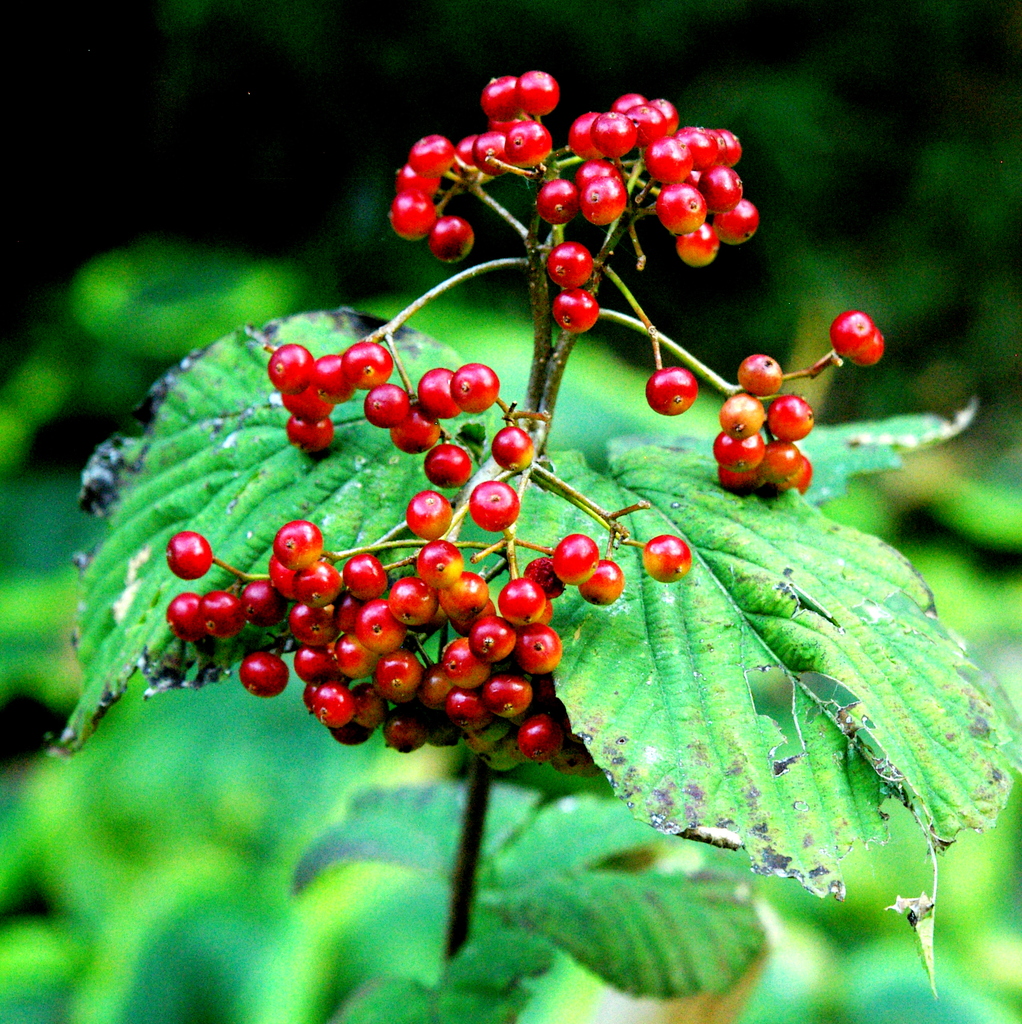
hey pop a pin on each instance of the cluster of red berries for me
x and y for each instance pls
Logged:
(689, 172)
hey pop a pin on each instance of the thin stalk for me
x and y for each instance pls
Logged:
(463, 882)
(821, 364)
(683, 355)
(654, 334)
(501, 212)
(465, 275)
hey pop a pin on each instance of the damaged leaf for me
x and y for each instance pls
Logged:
(919, 914)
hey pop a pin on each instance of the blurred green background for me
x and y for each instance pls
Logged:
(188, 165)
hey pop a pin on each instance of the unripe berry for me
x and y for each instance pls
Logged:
(760, 375)
(742, 415)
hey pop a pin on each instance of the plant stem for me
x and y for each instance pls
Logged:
(463, 881)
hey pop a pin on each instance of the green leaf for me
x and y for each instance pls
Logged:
(416, 826)
(663, 686)
(215, 458)
(390, 1001)
(851, 449)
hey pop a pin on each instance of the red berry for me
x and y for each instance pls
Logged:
(492, 638)
(521, 601)
(489, 147)
(557, 201)
(507, 695)
(722, 188)
(626, 101)
(760, 375)
(702, 146)
(540, 737)
(308, 405)
(312, 626)
(330, 381)
(542, 571)
(462, 667)
(263, 604)
(569, 264)
(475, 387)
(413, 601)
(365, 577)
(465, 708)
(493, 505)
(668, 160)
(605, 585)
(613, 134)
(649, 122)
(310, 437)
(370, 707)
(189, 555)
(666, 558)
(377, 630)
(290, 369)
(434, 391)
(790, 418)
(512, 448)
(283, 579)
(742, 415)
(386, 405)
(222, 613)
(451, 239)
(412, 215)
(739, 455)
(465, 597)
(738, 483)
(429, 515)
(263, 674)
(405, 731)
(439, 564)
(603, 200)
(431, 156)
(499, 99)
(593, 170)
(852, 333)
(367, 365)
(316, 665)
(803, 477)
(527, 144)
(298, 544)
(416, 433)
(575, 558)
(537, 93)
(671, 391)
(580, 140)
(781, 461)
(670, 112)
(346, 609)
(737, 225)
(463, 154)
(332, 704)
(699, 248)
(185, 617)
(352, 734)
(397, 676)
(448, 465)
(576, 310)
(681, 208)
(407, 180)
(318, 584)
(354, 660)
(729, 149)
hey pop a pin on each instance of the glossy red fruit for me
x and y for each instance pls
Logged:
(416, 433)
(569, 264)
(386, 405)
(312, 626)
(650, 123)
(222, 613)
(397, 676)
(537, 93)
(365, 577)
(760, 375)
(580, 140)
(557, 201)
(263, 674)
(465, 708)
(801, 479)
(185, 618)
(493, 505)
(189, 555)
(852, 334)
(332, 704)
(542, 571)
(462, 666)
(499, 98)
(492, 638)
(434, 392)
(668, 160)
(464, 158)
(354, 660)
(540, 737)
(737, 225)
(613, 134)
(729, 149)
(429, 515)
(575, 310)
(670, 112)
(475, 387)
(521, 601)
(466, 598)
(605, 585)
(377, 630)
(367, 365)
(738, 483)
(370, 707)
(434, 688)
(263, 604)
(527, 144)
(666, 558)
(575, 558)
(741, 416)
(451, 239)
(781, 461)
(308, 405)
(290, 369)
(439, 563)
(407, 180)
(283, 579)
(626, 101)
(352, 734)
(412, 215)
(790, 418)
(507, 695)
(405, 731)
(604, 200)
(512, 448)
(310, 437)
(698, 248)
(721, 187)
(431, 156)
(330, 380)
(318, 584)
(488, 148)
(681, 208)
(739, 455)
(316, 665)
(593, 170)
(448, 465)
(413, 601)
(671, 390)
(298, 544)
(701, 145)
